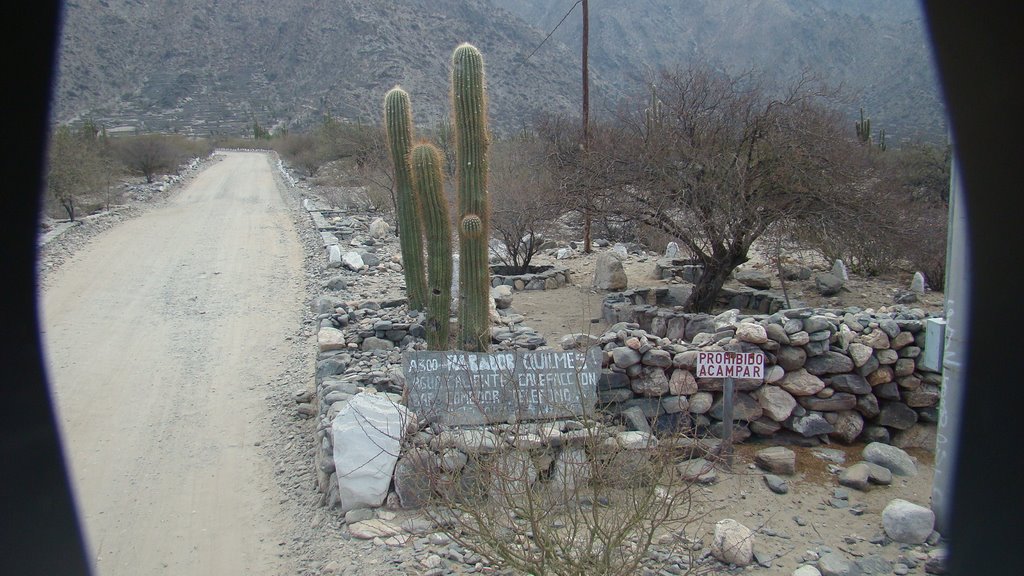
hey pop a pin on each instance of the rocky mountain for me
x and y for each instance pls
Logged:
(213, 66)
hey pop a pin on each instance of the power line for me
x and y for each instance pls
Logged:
(571, 8)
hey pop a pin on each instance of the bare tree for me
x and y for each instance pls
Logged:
(148, 154)
(521, 197)
(715, 160)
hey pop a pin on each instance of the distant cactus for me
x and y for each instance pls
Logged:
(428, 186)
(653, 113)
(863, 128)
(881, 140)
(469, 102)
(398, 120)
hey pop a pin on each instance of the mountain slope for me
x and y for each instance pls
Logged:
(212, 66)
(209, 64)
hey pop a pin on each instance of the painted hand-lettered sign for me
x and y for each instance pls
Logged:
(477, 388)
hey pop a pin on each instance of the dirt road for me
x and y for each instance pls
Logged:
(161, 338)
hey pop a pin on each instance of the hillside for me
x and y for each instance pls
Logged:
(200, 66)
(877, 51)
(208, 66)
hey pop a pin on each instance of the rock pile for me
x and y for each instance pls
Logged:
(846, 374)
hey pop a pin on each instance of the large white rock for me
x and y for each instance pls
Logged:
(367, 440)
(353, 261)
(334, 255)
(907, 522)
(328, 338)
(609, 273)
(733, 543)
(379, 228)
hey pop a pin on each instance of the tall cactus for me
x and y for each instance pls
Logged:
(427, 184)
(469, 102)
(398, 120)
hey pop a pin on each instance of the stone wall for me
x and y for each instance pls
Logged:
(841, 375)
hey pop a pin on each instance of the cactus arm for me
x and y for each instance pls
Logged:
(427, 183)
(398, 120)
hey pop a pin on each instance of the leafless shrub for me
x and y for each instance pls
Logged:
(521, 200)
(574, 496)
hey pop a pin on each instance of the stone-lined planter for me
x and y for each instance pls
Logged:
(540, 278)
(644, 305)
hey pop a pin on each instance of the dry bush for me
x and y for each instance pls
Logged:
(522, 200)
(572, 496)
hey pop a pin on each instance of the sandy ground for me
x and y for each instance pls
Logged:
(577, 308)
(161, 336)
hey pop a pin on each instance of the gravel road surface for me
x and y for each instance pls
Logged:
(161, 338)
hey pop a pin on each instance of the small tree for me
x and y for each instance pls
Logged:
(727, 159)
(76, 168)
(522, 200)
(147, 155)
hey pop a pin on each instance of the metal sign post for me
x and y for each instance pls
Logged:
(727, 421)
(729, 365)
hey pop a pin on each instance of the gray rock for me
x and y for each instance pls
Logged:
(835, 564)
(828, 284)
(918, 284)
(848, 426)
(856, 477)
(907, 522)
(777, 460)
(776, 484)
(353, 261)
(502, 295)
(852, 383)
(378, 228)
(801, 383)
(812, 424)
(754, 279)
(897, 415)
(609, 273)
(894, 459)
(697, 470)
(775, 402)
(634, 419)
(744, 408)
(838, 401)
(873, 565)
(791, 358)
(336, 283)
(732, 543)
(839, 269)
(829, 363)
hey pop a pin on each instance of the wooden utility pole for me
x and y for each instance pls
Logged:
(587, 215)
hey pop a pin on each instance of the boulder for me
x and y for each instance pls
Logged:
(775, 402)
(777, 460)
(367, 436)
(733, 543)
(609, 273)
(906, 522)
(379, 228)
(828, 284)
(754, 279)
(896, 460)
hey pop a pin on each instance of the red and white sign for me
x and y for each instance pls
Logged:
(721, 364)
